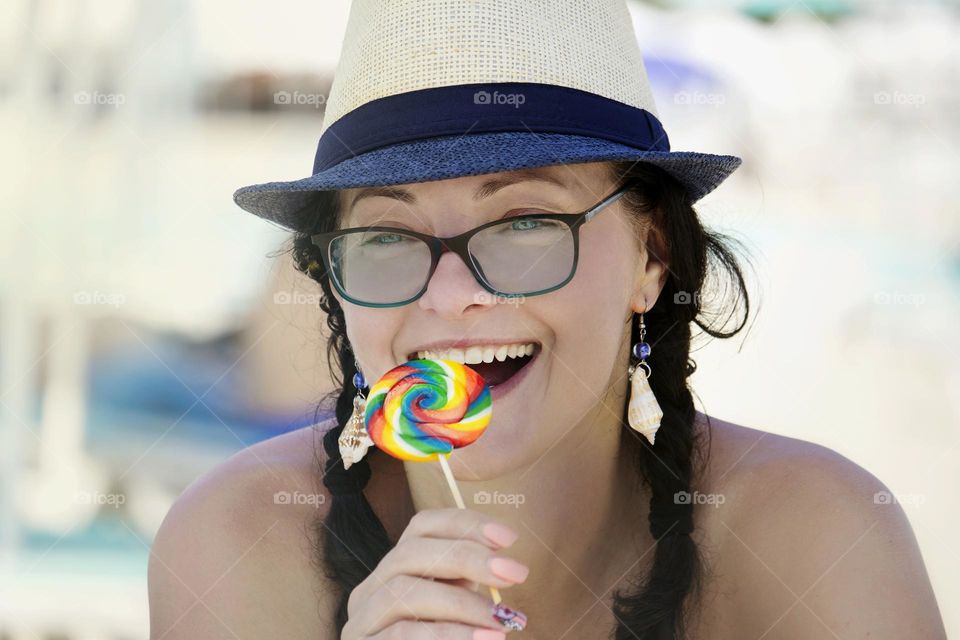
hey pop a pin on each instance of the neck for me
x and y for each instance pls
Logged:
(578, 510)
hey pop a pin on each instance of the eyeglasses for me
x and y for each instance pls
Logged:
(525, 255)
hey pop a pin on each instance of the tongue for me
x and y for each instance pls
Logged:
(497, 372)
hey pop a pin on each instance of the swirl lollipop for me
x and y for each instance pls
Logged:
(424, 409)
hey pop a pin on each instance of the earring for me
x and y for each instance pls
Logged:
(354, 440)
(643, 412)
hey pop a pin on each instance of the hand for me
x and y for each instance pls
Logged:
(423, 587)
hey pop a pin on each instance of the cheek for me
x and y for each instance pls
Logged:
(590, 312)
(371, 333)
(600, 288)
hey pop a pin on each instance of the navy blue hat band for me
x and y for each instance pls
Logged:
(486, 108)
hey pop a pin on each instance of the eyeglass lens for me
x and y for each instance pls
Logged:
(516, 257)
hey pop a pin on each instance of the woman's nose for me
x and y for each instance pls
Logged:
(453, 289)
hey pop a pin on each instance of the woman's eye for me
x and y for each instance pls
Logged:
(385, 238)
(525, 225)
(517, 213)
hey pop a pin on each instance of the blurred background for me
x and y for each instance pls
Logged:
(147, 331)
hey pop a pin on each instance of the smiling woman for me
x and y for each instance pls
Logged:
(501, 193)
(626, 263)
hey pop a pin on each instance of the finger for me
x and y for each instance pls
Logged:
(451, 559)
(458, 582)
(408, 598)
(435, 524)
(460, 523)
(461, 582)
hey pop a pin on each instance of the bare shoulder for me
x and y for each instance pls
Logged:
(761, 473)
(234, 557)
(807, 543)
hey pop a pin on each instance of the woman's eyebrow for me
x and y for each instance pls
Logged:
(490, 187)
(485, 190)
(397, 193)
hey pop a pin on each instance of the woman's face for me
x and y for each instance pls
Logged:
(582, 330)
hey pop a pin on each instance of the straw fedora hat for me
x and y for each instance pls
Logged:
(434, 89)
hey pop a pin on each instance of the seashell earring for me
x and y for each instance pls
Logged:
(643, 412)
(354, 440)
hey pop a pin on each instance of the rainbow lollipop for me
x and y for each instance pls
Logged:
(424, 409)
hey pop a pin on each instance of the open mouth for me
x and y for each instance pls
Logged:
(498, 371)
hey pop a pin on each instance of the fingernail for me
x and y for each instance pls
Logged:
(508, 569)
(499, 534)
(488, 634)
(514, 620)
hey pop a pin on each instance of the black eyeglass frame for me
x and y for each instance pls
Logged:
(459, 245)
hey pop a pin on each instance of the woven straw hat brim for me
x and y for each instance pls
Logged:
(293, 204)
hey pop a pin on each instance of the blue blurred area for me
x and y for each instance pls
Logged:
(196, 384)
(668, 75)
(154, 424)
(773, 9)
(104, 544)
(169, 418)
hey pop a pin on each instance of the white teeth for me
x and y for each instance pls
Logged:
(479, 353)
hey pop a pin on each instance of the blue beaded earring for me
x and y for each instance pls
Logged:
(354, 440)
(643, 412)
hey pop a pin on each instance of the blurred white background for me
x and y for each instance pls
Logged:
(142, 337)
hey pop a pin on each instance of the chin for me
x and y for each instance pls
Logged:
(496, 453)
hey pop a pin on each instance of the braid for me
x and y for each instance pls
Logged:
(652, 607)
(351, 540)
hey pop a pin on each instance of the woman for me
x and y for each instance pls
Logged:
(590, 529)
